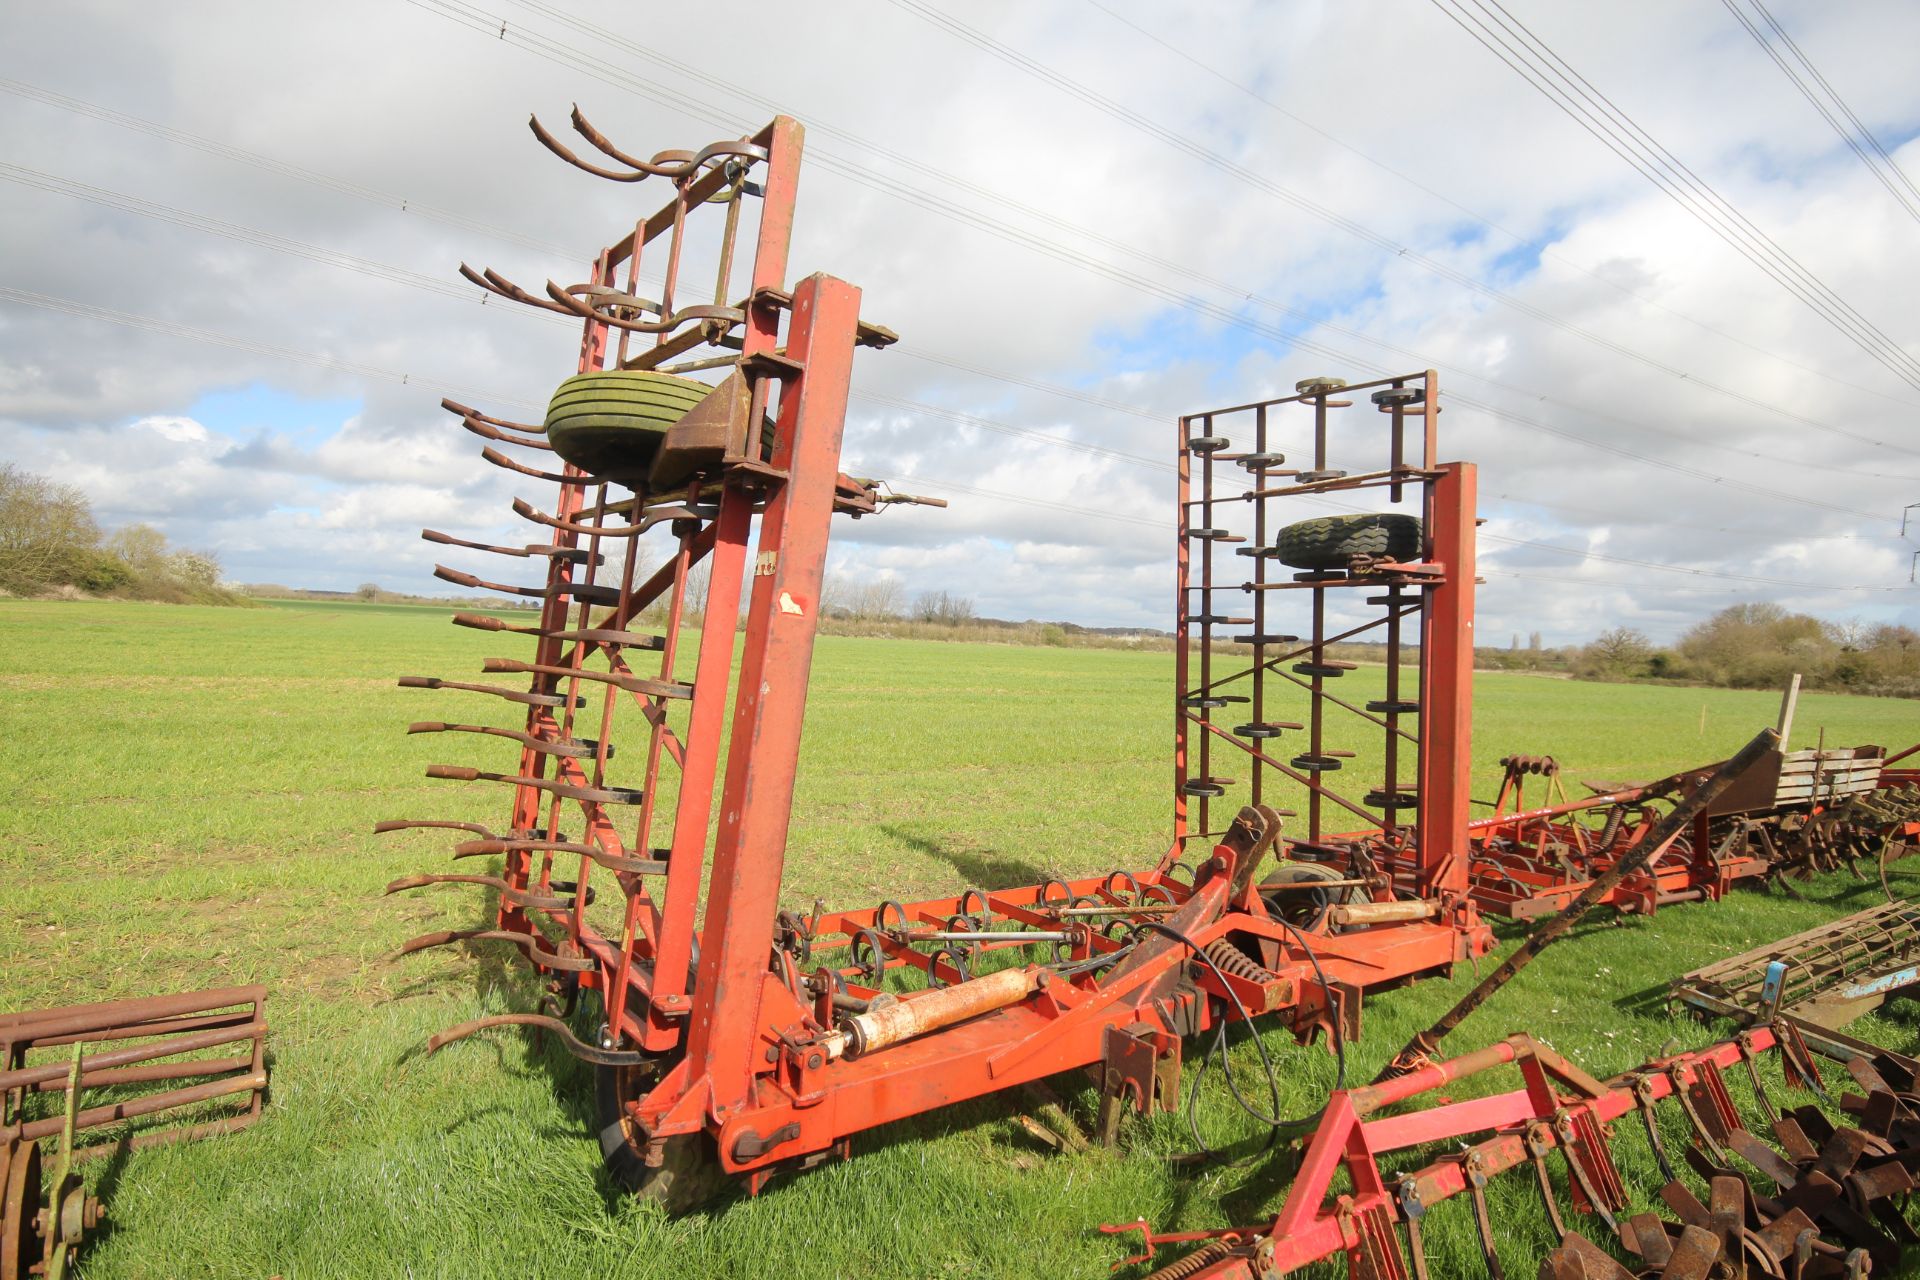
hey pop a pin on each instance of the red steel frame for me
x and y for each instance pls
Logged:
(1559, 1107)
(744, 1049)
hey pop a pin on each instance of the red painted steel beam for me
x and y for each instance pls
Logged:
(757, 802)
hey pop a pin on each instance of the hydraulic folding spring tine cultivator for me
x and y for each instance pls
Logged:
(738, 1038)
(1821, 1199)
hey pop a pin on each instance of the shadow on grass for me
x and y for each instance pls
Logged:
(981, 868)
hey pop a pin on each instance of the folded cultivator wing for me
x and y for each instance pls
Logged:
(1818, 1199)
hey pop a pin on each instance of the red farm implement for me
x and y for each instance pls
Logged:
(738, 1038)
(1794, 813)
(641, 861)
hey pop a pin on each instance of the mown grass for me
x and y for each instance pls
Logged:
(190, 794)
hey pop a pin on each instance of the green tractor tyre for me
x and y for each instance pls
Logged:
(612, 423)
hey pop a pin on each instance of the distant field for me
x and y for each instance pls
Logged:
(190, 797)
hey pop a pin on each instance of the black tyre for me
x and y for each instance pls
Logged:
(611, 423)
(691, 1173)
(1330, 542)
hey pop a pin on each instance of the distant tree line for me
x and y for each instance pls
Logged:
(50, 541)
(1761, 646)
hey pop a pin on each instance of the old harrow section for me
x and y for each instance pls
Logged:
(1818, 1197)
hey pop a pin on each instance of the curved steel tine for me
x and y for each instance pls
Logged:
(667, 164)
(499, 459)
(577, 750)
(534, 951)
(1644, 1098)
(561, 149)
(486, 432)
(561, 1031)
(495, 283)
(670, 164)
(508, 289)
(1537, 1153)
(448, 540)
(507, 891)
(459, 410)
(587, 311)
(526, 510)
(410, 824)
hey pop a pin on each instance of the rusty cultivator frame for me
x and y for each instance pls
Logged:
(738, 1039)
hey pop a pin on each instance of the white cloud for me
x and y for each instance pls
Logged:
(436, 114)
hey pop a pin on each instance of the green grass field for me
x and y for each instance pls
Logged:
(190, 794)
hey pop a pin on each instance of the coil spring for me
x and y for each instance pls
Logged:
(1616, 817)
(1194, 1262)
(1231, 959)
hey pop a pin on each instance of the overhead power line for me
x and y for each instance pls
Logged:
(1528, 56)
(581, 60)
(1880, 347)
(414, 279)
(1853, 133)
(404, 276)
(917, 196)
(1482, 219)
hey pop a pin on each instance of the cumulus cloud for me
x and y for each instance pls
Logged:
(1634, 390)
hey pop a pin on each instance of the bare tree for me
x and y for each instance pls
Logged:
(47, 531)
(877, 599)
(943, 607)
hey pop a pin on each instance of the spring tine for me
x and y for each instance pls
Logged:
(459, 410)
(493, 282)
(611, 861)
(486, 432)
(669, 164)
(560, 149)
(597, 795)
(448, 540)
(577, 750)
(1644, 1097)
(1416, 1244)
(1797, 1060)
(1482, 1220)
(601, 636)
(561, 1031)
(1747, 1056)
(522, 507)
(572, 555)
(409, 824)
(631, 683)
(507, 891)
(1539, 1142)
(604, 298)
(577, 590)
(1701, 1133)
(1577, 1154)
(527, 943)
(501, 460)
(663, 164)
(511, 695)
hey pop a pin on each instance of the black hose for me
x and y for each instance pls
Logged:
(1275, 1124)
